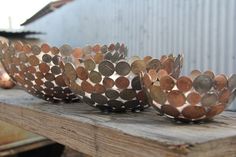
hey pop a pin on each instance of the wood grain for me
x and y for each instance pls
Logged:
(134, 134)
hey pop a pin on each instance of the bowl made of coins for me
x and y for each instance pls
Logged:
(36, 69)
(200, 96)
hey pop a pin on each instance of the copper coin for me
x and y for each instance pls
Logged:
(154, 64)
(106, 68)
(54, 50)
(104, 48)
(77, 53)
(209, 73)
(26, 48)
(122, 82)
(88, 100)
(193, 112)
(138, 66)
(89, 64)
(98, 98)
(142, 96)
(98, 88)
(111, 47)
(147, 80)
(184, 84)
(202, 83)
(193, 98)
(128, 94)
(35, 49)
(82, 73)
(14, 68)
(136, 84)
(48, 84)
(176, 98)
(23, 57)
(220, 82)
(31, 69)
(23, 67)
(147, 59)
(60, 81)
(98, 58)
(49, 76)
(18, 46)
(56, 59)
(167, 82)
(45, 48)
(108, 82)
(95, 76)
(194, 74)
(29, 76)
(16, 60)
(224, 96)
(168, 65)
(153, 74)
(33, 60)
(157, 94)
(232, 82)
(70, 71)
(122, 68)
(96, 48)
(39, 82)
(112, 94)
(87, 87)
(66, 50)
(209, 99)
(170, 110)
(215, 110)
(39, 75)
(44, 67)
(55, 70)
(47, 58)
(161, 73)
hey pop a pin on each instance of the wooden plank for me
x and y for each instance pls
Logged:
(134, 134)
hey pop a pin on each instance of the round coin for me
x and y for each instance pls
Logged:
(106, 68)
(157, 94)
(138, 66)
(193, 98)
(209, 99)
(202, 83)
(167, 82)
(66, 50)
(112, 94)
(170, 110)
(95, 76)
(98, 98)
(89, 64)
(122, 82)
(184, 84)
(108, 82)
(82, 73)
(127, 94)
(193, 112)
(176, 98)
(122, 68)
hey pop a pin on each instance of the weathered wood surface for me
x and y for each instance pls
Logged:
(134, 134)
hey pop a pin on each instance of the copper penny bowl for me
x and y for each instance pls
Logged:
(197, 97)
(37, 70)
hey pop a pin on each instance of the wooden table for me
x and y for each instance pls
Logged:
(134, 134)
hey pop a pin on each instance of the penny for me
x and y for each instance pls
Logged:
(56, 59)
(168, 65)
(39, 75)
(184, 84)
(89, 64)
(111, 47)
(209, 73)
(46, 58)
(95, 76)
(18, 46)
(147, 59)
(128, 94)
(70, 71)
(122, 82)
(167, 82)
(26, 48)
(176, 98)
(194, 74)
(220, 82)
(55, 70)
(98, 88)
(193, 98)
(108, 82)
(96, 48)
(60, 81)
(39, 82)
(48, 84)
(77, 53)
(35, 49)
(209, 99)
(29, 76)
(98, 98)
(106, 68)
(202, 83)
(88, 100)
(157, 94)
(23, 67)
(23, 57)
(55, 50)
(232, 82)
(82, 73)
(98, 58)
(170, 110)
(153, 74)
(65, 50)
(49, 76)
(146, 80)
(193, 112)
(215, 110)
(112, 94)
(122, 68)
(87, 87)
(104, 49)
(138, 66)
(142, 96)
(44, 67)
(16, 60)
(154, 64)
(33, 60)
(45, 48)
(136, 84)
(161, 73)
(224, 96)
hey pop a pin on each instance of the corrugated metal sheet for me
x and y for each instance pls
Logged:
(204, 30)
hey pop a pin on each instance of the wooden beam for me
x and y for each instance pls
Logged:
(134, 134)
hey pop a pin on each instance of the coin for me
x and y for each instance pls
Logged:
(154, 64)
(168, 65)
(194, 74)
(46, 58)
(44, 67)
(170, 110)
(39, 75)
(108, 82)
(176, 98)
(104, 48)
(220, 82)
(215, 110)
(142, 96)
(56, 59)
(122, 82)
(116, 104)
(161, 73)
(48, 84)
(98, 88)
(209, 73)
(136, 84)
(82, 73)
(54, 50)
(88, 100)
(65, 50)
(95, 76)
(98, 58)
(202, 83)
(122, 68)
(70, 71)
(193, 112)
(224, 96)
(23, 67)
(108, 56)
(132, 104)
(209, 99)
(157, 94)
(39, 82)
(87, 87)
(112, 94)
(111, 47)
(153, 74)
(98, 98)
(193, 98)
(35, 49)
(184, 84)
(138, 66)
(147, 80)
(60, 81)
(45, 48)
(89, 64)
(33, 60)
(77, 53)
(147, 59)
(23, 57)
(232, 82)
(49, 76)
(106, 68)
(18, 46)
(167, 82)
(29, 76)
(127, 94)
(96, 48)
(26, 48)
(55, 70)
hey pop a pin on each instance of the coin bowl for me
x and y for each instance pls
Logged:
(197, 97)
(36, 69)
